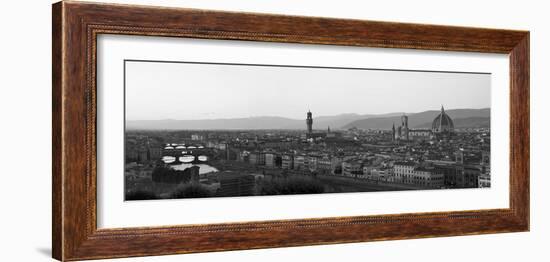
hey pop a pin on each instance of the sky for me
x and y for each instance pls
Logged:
(190, 91)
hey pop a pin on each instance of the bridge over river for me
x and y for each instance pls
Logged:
(182, 153)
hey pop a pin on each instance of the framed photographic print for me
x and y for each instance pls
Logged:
(182, 130)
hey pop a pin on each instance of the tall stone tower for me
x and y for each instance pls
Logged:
(393, 132)
(405, 126)
(309, 122)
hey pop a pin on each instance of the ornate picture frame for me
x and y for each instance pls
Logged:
(75, 29)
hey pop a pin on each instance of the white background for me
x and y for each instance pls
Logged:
(25, 107)
(113, 212)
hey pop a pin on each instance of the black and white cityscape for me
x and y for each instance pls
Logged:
(201, 152)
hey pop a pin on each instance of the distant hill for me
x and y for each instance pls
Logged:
(469, 122)
(261, 122)
(424, 119)
(380, 121)
(339, 121)
(234, 123)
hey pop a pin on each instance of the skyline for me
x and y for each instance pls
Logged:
(159, 91)
(322, 116)
(466, 118)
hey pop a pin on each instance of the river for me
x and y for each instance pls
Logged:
(186, 163)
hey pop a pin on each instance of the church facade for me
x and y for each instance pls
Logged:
(442, 128)
(402, 131)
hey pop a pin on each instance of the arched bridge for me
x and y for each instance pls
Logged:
(182, 153)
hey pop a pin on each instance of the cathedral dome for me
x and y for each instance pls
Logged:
(442, 123)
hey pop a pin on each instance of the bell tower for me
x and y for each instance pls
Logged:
(405, 126)
(309, 123)
(393, 133)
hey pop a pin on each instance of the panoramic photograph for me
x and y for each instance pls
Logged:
(197, 130)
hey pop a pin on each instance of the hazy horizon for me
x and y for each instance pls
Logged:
(195, 91)
(315, 116)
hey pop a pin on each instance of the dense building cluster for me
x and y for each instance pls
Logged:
(440, 157)
(442, 128)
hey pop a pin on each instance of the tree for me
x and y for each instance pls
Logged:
(191, 190)
(140, 195)
(169, 175)
(290, 186)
